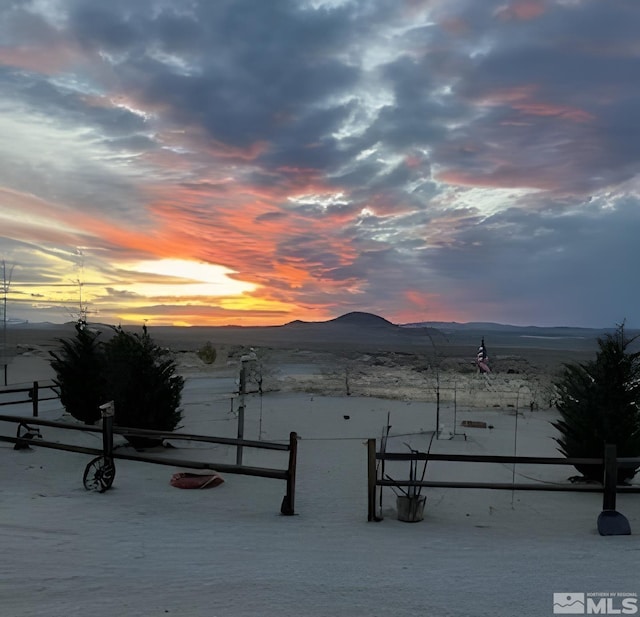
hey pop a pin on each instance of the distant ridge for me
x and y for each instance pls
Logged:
(490, 326)
(29, 325)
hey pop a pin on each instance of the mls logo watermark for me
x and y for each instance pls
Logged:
(595, 603)
(568, 603)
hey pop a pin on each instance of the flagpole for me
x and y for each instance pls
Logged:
(437, 369)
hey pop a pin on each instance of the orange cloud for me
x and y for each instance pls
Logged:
(201, 222)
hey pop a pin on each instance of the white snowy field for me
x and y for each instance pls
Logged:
(145, 548)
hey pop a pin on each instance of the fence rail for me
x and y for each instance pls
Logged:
(483, 458)
(32, 395)
(279, 474)
(608, 489)
(288, 474)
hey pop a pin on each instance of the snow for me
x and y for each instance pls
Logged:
(145, 548)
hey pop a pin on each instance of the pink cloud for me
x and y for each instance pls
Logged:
(567, 112)
(522, 10)
(424, 306)
(48, 60)
(522, 98)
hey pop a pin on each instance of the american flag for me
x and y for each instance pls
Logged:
(482, 359)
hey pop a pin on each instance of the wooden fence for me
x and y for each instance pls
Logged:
(608, 489)
(26, 423)
(32, 394)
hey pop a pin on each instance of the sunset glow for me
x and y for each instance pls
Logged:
(258, 162)
(181, 278)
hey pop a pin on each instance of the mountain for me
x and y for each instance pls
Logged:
(358, 330)
(355, 319)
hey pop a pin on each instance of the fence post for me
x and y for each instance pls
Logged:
(372, 477)
(35, 397)
(288, 503)
(100, 472)
(241, 390)
(107, 411)
(610, 477)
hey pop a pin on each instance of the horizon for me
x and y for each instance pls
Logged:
(16, 324)
(254, 163)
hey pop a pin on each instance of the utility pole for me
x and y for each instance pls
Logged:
(82, 315)
(436, 365)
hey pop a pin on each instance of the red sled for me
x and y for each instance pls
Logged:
(195, 480)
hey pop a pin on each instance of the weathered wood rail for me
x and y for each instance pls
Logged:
(608, 488)
(33, 395)
(288, 474)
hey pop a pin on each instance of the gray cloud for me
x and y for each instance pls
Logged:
(485, 152)
(560, 267)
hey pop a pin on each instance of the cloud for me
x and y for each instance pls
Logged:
(424, 160)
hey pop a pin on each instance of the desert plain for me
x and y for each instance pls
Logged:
(146, 548)
(365, 355)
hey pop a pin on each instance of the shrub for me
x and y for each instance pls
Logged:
(129, 369)
(207, 353)
(599, 403)
(142, 383)
(261, 372)
(79, 368)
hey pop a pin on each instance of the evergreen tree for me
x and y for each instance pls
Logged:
(142, 383)
(129, 369)
(79, 368)
(599, 403)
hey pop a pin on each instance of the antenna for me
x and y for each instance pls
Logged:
(6, 284)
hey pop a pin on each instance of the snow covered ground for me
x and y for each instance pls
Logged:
(145, 548)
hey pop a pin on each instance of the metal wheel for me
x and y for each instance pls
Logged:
(99, 474)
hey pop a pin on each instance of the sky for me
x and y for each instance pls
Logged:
(250, 163)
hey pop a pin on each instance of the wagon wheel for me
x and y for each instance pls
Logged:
(99, 474)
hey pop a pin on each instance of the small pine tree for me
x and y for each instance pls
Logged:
(79, 368)
(129, 369)
(599, 403)
(142, 383)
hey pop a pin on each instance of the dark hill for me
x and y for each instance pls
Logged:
(359, 330)
(360, 319)
(356, 319)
